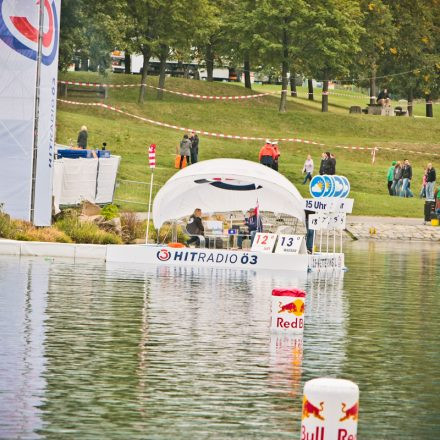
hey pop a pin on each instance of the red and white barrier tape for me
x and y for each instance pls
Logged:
(230, 136)
(190, 95)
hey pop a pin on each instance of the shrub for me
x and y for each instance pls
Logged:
(86, 232)
(6, 229)
(110, 211)
(132, 228)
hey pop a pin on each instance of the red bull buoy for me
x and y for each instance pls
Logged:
(330, 410)
(288, 307)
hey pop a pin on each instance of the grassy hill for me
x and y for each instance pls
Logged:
(413, 138)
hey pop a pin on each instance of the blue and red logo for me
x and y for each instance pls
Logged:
(21, 34)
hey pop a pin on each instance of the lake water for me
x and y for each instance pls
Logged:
(89, 351)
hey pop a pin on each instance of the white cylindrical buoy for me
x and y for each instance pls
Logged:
(288, 310)
(330, 410)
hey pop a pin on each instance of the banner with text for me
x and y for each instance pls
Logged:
(19, 35)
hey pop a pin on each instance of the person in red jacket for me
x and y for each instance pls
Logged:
(277, 154)
(267, 154)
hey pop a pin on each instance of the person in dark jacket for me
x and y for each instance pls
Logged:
(332, 165)
(194, 147)
(406, 179)
(430, 182)
(184, 150)
(195, 227)
(254, 224)
(322, 164)
(82, 138)
(384, 98)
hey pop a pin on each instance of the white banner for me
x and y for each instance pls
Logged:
(19, 34)
(329, 205)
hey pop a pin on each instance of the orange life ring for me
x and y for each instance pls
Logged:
(176, 245)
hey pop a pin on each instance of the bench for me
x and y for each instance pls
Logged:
(100, 91)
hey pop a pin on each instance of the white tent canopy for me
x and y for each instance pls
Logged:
(221, 185)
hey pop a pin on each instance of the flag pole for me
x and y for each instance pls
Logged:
(152, 163)
(149, 206)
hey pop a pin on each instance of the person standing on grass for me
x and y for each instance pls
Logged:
(185, 150)
(422, 194)
(323, 163)
(194, 147)
(267, 154)
(308, 169)
(332, 165)
(276, 155)
(406, 179)
(430, 182)
(390, 177)
(82, 138)
(397, 177)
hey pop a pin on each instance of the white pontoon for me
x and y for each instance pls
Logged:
(226, 185)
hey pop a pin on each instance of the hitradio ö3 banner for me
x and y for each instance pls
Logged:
(19, 34)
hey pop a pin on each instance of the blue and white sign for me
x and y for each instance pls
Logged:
(339, 186)
(346, 190)
(329, 186)
(317, 186)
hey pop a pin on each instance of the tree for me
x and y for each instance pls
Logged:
(375, 42)
(331, 34)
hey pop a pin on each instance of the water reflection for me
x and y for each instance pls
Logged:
(23, 299)
(95, 351)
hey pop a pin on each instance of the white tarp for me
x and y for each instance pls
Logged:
(76, 180)
(19, 29)
(220, 185)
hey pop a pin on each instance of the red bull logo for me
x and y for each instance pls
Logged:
(295, 307)
(351, 412)
(21, 32)
(309, 409)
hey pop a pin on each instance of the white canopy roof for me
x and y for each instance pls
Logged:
(220, 185)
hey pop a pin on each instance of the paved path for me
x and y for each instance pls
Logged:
(392, 228)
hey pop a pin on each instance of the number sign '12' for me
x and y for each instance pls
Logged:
(264, 242)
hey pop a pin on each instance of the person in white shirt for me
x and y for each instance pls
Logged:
(308, 169)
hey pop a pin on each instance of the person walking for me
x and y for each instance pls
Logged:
(267, 154)
(308, 169)
(276, 155)
(430, 182)
(397, 177)
(194, 147)
(82, 138)
(390, 177)
(185, 150)
(406, 179)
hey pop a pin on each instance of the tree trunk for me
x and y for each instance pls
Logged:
(247, 71)
(429, 112)
(373, 86)
(127, 62)
(146, 52)
(310, 84)
(163, 64)
(284, 71)
(409, 106)
(209, 63)
(84, 64)
(324, 105)
(293, 83)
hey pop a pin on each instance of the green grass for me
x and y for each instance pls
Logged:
(257, 117)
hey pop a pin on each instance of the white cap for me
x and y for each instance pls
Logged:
(267, 141)
(274, 143)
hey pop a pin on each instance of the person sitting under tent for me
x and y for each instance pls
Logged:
(196, 229)
(254, 224)
(267, 154)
